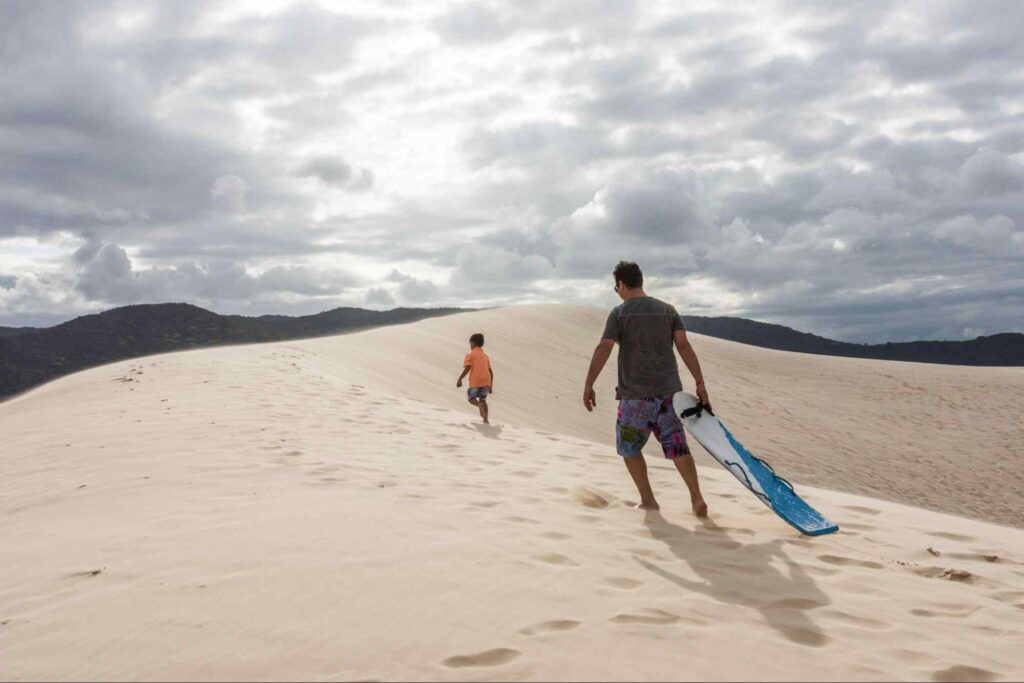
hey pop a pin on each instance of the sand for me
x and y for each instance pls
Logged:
(332, 509)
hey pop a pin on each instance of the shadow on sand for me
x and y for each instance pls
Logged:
(490, 431)
(743, 574)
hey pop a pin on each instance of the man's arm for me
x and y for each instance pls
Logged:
(465, 371)
(601, 355)
(689, 357)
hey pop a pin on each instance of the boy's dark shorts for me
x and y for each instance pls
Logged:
(477, 392)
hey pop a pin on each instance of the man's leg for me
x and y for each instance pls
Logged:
(688, 469)
(637, 467)
(669, 431)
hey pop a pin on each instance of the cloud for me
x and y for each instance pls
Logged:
(106, 274)
(821, 164)
(231, 189)
(336, 172)
(413, 290)
(8, 281)
(991, 173)
(378, 296)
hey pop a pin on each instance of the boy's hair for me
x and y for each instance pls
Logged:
(628, 273)
(477, 339)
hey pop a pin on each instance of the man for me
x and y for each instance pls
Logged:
(646, 330)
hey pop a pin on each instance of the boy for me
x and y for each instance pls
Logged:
(481, 378)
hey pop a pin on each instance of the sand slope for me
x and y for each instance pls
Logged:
(906, 432)
(292, 511)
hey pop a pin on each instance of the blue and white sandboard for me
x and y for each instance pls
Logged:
(752, 472)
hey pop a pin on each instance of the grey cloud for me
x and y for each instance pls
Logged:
(473, 22)
(992, 173)
(336, 172)
(107, 274)
(414, 290)
(875, 169)
(378, 296)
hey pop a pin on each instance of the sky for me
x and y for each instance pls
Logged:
(855, 170)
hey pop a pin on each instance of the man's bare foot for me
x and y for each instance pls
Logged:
(653, 505)
(700, 508)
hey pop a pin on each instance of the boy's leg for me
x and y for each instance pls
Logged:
(484, 410)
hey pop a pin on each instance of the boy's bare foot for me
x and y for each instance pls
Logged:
(653, 505)
(700, 508)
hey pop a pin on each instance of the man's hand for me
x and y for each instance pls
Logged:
(702, 394)
(589, 398)
(458, 384)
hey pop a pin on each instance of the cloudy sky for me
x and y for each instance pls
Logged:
(854, 170)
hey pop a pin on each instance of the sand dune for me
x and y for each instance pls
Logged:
(330, 509)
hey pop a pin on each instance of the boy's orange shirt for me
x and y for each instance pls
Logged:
(479, 365)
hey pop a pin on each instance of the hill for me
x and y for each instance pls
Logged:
(1005, 349)
(34, 356)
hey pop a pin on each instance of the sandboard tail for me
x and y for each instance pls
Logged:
(755, 474)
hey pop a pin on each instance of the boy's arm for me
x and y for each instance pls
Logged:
(465, 371)
(490, 387)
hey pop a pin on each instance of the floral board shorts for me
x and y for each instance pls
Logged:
(639, 417)
(477, 392)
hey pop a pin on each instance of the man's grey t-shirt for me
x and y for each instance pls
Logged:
(644, 329)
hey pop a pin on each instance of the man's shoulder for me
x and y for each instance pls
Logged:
(645, 306)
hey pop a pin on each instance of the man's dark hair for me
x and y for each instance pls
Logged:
(477, 339)
(628, 273)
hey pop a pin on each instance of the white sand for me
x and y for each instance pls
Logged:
(330, 509)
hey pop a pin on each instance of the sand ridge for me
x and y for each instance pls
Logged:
(255, 513)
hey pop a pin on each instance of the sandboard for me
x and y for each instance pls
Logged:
(751, 471)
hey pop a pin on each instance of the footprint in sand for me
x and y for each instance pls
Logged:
(961, 672)
(521, 520)
(849, 562)
(795, 603)
(806, 636)
(551, 627)
(650, 616)
(861, 509)
(950, 611)
(951, 536)
(622, 582)
(863, 622)
(557, 559)
(495, 657)
(958, 575)
(556, 535)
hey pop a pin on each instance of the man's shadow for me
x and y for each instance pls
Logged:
(743, 575)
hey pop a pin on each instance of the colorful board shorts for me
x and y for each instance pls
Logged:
(639, 417)
(477, 392)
